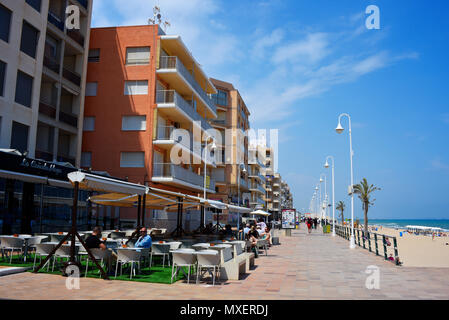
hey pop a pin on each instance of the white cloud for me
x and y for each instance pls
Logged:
(309, 50)
(437, 164)
(267, 41)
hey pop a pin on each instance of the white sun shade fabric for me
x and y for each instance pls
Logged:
(260, 213)
(103, 184)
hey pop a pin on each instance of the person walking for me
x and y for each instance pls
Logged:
(309, 225)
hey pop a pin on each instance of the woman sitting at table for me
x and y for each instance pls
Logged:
(267, 236)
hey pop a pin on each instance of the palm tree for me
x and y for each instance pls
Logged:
(364, 190)
(341, 206)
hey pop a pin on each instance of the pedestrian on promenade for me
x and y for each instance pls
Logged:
(315, 223)
(309, 225)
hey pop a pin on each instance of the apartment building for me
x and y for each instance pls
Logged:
(42, 88)
(147, 111)
(231, 174)
(257, 176)
(42, 78)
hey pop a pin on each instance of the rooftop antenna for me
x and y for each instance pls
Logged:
(157, 19)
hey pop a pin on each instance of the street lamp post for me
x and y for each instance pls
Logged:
(340, 129)
(316, 202)
(212, 148)
(326, 165)
(324, 203)
(238, 193)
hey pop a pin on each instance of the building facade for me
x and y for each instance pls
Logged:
(147, 111)
(42, 73)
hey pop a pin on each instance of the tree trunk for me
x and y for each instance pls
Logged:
(342, 219)
(366, 217)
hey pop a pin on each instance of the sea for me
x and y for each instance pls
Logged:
(402, 223)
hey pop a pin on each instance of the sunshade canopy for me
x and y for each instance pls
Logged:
(261, 213)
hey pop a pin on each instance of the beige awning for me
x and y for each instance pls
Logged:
(260, 213)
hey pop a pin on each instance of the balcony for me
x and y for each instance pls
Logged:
(76, 36)
(55, 20)
(72, 76)
(84, 3)
(166, 138)
(169, 173)
(47, 109)
(43, 155)
(170, 65)
(69, 118)
(65, 158)
(257, 188)
(257, 175)
(174, 107)
(51, 63)
(219, 122)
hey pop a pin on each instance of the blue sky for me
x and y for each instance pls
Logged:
(299, 64)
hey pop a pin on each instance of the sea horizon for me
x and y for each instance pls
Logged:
(402, 223)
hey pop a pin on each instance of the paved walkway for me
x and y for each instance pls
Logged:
(314, 266)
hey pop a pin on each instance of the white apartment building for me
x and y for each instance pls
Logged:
(42, 78)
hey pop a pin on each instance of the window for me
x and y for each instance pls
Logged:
(133, 88)
(91, 89)
(89, 124)
(5, 23)
(221, 98)
(138, 56)
(24, 89)
(132, 159)
(36, 4)
(86, 159)
(30, 37)
(2, 77)
(94, 55)
(134, 123)
(19, 136)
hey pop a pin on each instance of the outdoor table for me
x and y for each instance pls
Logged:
(25, 237)
(220, 249)
(201, 246)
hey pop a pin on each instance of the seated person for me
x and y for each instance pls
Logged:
(267, 236)
(208, 229)
(246, 229)
(144, 240)
(260, 231)
(93, 241)
(253, 235)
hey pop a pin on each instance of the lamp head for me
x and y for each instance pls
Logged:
(326, 165)
(214, 146)
(244, 170)
(316, 188)
(321, 180)
(339, 128)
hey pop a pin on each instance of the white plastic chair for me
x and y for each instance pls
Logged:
(99, 254)
(262, 244)
(182, 258)
(144, 254)
(160, 249)
(208, 259)
(117, 235)
(43, 250)
(125, 256)
(63, 252)
(12, 244)
(57, 237)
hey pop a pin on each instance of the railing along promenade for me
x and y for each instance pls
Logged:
(370, 241)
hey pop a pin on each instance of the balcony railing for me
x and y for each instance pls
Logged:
(55, 20)
(72, 76)
(171, 96)
(77, 36)
(51, 63)
(47, 109)
(70, 119)
(170, 170)
(169, 133)
(175, 63)
(65, 158)
(257, 187)
(219, 122)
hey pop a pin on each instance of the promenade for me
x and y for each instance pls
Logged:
(305, 266)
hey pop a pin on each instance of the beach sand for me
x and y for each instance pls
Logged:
(418, 251)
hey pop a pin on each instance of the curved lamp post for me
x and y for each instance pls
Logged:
(324, 202)
(238, 193)
(340, 129)
(213, 147)
(326, 165)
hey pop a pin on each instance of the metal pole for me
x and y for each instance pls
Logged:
(143, 209)
(352, 245)
(238, 197)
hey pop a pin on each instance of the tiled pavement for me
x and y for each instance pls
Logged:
(304, 266)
